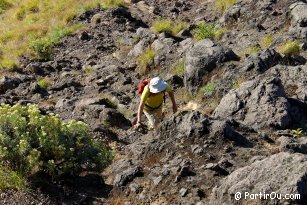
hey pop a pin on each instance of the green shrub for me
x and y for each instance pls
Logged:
(10, 179)
(42, 49)
(4, 5)
(223, 5)
(208, 89)
(31, 142)
(146, 59)
(290, 48)
(267, 41)
(44, 83)
(204, 31)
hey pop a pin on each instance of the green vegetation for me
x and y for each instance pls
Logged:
(31, 142)
(146, 59)
(267, 41)
(252, 50)
(219, 33)
(208, 31)
(10, 179)
(179, 69)
(4, 5)
(290, 48)
(44, 83)
(299, 133)
(32, 27)
(223, 5)
(209, 89)
(168, 26)
(204, 31)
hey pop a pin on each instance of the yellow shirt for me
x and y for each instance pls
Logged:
(154, 100)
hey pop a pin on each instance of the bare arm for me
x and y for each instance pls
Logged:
(139, 115)
(171, 94)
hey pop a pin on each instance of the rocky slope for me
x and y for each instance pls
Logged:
(237, 138)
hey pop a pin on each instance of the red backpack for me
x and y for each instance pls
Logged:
(142, 85)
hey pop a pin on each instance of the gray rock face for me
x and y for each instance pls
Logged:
(7, 83)
(283, 173)
(202, 58)
(113, 117)
(257, 104)
(298, 13)
(262, 61)
(290, 144)
(186, 124)
(127, 176)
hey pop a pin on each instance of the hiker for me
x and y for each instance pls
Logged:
(152, 96)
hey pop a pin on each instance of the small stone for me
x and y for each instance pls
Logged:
(183, 192)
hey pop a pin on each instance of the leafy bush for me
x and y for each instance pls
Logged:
(44, 83)
(10, 179)
(146, 59)
(290, 48)
(223, 5)
(267, 41)
(31, 142)
(208, 89)
(42, 49)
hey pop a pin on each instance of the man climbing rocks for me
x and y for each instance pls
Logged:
(152, 100)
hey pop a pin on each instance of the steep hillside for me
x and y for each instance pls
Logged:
(238, 70)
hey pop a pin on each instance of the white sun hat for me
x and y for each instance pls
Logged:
(157, 85)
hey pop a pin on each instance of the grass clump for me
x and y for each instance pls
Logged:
(252, 50)
(34, 143)
(32, 27)
(44, 83)
(10, 179)
(168, 26)
(267, 41)
(209, 89)
(162, 25)
(290, 48)
(298, 133)
(179, 69)
(204, 31)
(112, 3)
(208, 31)
(223, 5)
(146, 60)
(4, 5)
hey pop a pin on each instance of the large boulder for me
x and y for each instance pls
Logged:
(257, 103)
(262, 61)
(298, 14)
(8, 83)
(201, 59)
(283, 173)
